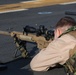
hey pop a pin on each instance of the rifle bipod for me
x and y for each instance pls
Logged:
(21, 45)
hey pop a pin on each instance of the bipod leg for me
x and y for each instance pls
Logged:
(21, 45)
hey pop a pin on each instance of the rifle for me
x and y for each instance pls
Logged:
(28, 35)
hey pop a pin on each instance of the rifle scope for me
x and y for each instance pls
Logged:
(40, 31)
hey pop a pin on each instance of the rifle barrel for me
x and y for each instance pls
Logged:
(4, 33)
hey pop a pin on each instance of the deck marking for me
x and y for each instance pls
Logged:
(8, 11)
(67, 3)
(27, 1)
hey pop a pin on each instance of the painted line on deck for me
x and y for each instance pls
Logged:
(27, 1)
(44, 13)
(67, 3)
(13, 11)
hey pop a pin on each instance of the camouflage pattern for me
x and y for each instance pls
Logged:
(70, 64)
